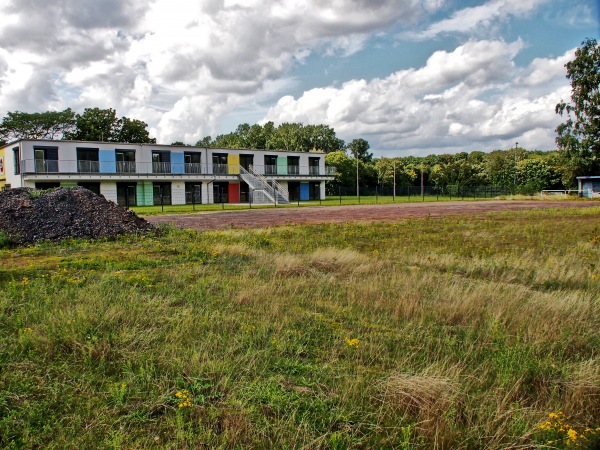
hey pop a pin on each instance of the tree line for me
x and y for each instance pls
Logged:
(94, 124)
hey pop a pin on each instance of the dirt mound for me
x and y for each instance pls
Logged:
(28, 216)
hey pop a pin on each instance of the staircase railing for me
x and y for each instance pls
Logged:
(263, 188)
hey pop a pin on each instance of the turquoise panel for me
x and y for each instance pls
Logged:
(108, 161)
(282, 165)
(304, 191)
(177, 162)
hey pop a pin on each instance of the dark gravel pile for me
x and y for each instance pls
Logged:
(28, 216)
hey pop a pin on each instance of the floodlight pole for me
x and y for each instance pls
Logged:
(357, 185)
(515, 179)
(394, 191)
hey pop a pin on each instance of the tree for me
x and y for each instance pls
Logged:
(135, 131)
(360, 149)
(579, 136)
(97, 124)
(45, 125)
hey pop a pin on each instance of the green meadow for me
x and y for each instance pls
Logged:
(446, 333)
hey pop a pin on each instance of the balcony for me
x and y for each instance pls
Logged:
(313, 170)
(293, 170)
(271, 170)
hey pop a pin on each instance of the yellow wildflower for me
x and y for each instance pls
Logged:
(352, 342)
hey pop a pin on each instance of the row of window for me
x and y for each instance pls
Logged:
(161, 192)
(88, 161)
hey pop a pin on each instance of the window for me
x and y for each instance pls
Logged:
(294, 190)
(193, 162)
(126, 194)
(193, 193)
(220, 163)
(16, 161)
(313, 166)
(293, 165)
(87, 160)
(125, 161)
(46, 159)
(246, 161)
(221, 192)
(270, 165)
(314, 191)
(94, 187)
(161, 162)
(47, 185)
(162, 193)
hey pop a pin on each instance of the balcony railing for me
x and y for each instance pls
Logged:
(161, 167)
(135, 168)
(45, 166)
(88, 166)
(193, 168)
(125, 166)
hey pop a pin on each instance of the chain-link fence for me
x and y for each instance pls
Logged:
(335, 196)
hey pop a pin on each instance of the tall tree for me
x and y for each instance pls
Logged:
(359, 148)
(44, 125)
(96, 124)
(579, 136)
(134, 131)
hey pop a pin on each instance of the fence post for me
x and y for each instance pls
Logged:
(222, 200)
(193, 199)
(162, 202)
(437, 193)
(127, 197)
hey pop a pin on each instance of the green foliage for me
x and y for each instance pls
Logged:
(96, 124)
(579, 136)
(45, 125)
(287, 136)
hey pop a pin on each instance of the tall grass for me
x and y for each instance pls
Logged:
(434, 333)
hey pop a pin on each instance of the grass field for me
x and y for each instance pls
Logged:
(449, 333)
(334, 201)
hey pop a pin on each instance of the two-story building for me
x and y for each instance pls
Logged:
(151, 174)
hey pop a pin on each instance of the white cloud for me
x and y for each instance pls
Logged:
(474, 97)
(469, 20)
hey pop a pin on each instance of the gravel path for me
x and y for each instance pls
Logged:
(261, 218)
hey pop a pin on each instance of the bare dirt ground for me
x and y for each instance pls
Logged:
(262, 218)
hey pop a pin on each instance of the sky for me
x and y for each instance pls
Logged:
(412, 77)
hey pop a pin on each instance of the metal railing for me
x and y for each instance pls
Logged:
(88, 166)
(261, 187)
(44, 166)
(135, 168)
(125, 166)
(161, 167)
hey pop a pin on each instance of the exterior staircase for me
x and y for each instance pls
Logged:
(262, 190)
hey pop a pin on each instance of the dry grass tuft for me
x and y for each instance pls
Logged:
(424, 396)
(583, 389)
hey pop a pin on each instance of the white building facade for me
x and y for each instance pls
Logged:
(153, 174)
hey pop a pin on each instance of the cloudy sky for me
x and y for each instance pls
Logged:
(410, 76)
